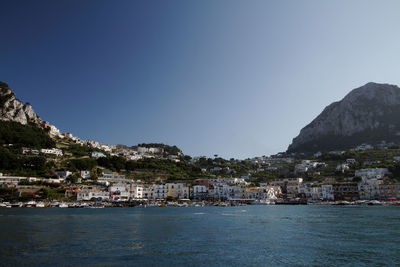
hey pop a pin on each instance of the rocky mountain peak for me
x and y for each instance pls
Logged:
(370, 113)
(12, 109)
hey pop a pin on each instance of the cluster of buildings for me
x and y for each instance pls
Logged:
(346, 165)
(307, 165)
(139, 152)
(369, 186)
(113, 187)
(48, 151)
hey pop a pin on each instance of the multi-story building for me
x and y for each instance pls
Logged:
(372, 173)
(160, 191)
(148, 191)
(228, 181)
(369, 189)
(224, 191)
(263, 193)
(119, 192)
(85, 174)
(52, 151)
(290, 186)
(204, 182)
(136, 191)
(177, 190)
(323, 192)
(92, 193)
(389, 191)
(306, 190)
(346, 191)
(199, 192)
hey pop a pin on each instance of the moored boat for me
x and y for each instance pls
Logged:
(5, 205)
(63, 205)
(17, 205)
(40, 205)
(30, 204)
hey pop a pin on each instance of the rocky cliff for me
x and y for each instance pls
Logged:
(368, 114)
(11, 109)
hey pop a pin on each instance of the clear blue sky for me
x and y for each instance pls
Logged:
(234, 78)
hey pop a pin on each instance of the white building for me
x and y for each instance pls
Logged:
(363, 147)
(119, 192)
(372, 173)
(160, 191)
(342, 167)
(300, 168)
(92, 194)
(136, 191)
(85, 174)
(148, 191)
(306, 190)
(350, 161)
(223, 191)
(263, 193)
(16, 179)
(52, 151)
(323, 192)
(229, 181)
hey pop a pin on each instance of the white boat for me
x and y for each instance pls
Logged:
(40, 205)
(63, 205)
(5, 205)
(54, 204)
(30, 204)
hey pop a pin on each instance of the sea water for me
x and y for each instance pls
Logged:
(202, 236)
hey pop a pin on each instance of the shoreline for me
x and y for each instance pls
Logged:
(159, 204)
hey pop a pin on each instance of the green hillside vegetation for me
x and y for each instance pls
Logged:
(24, 135)
(21, 165)
(152, 168)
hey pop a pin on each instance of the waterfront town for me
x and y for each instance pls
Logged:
(66, 171)
(115, 189)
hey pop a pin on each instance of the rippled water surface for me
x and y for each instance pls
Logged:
(225, 236)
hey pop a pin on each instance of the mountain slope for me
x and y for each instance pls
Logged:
(368, 114)
(11, 109)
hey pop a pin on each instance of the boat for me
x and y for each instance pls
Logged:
(63, 205)
(40, 205)
(54, 204)
(30, 204)
(17, 205)
(5, 205)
